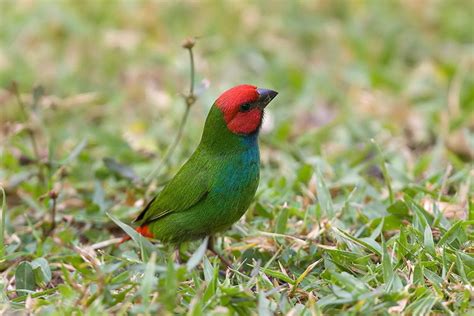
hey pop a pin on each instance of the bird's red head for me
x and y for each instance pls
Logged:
(243, 106)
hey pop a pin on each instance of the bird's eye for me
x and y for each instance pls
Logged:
(245, 107)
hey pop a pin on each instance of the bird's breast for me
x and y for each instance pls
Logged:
(239, 174)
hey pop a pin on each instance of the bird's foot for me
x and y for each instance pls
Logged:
(177, 256)
(210, 247)
(221, 257)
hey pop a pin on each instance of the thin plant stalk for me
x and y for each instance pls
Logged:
(189, 99)
(53, 195)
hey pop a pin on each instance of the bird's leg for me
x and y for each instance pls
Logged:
(210, 247)
(177, 254)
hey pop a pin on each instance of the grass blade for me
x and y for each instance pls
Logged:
(146, 246)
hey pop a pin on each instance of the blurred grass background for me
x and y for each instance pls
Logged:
(387, 63)
(102, 79)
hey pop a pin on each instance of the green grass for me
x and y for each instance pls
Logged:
(365, 204)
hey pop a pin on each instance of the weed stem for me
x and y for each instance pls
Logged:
(189, 99)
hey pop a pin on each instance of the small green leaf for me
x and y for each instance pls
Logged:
(387, 267)
(432, 277)
(41, 270)
(461, 269)
(451, 234)
(304, 174)
(422, 217)
(279, 275)
(399, 208)
(428, 240)
(66, 291)
(211, 275)
(368, 243)
(305, 273)
(282, 220)
(24, 278)
(418, 274)
(377, 230)
(208, 270)
(324, 197)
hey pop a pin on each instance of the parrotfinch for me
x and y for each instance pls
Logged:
(214, 188)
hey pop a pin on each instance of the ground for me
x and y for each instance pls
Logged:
(365, 202)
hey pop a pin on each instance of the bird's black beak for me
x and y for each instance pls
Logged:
(265, 96)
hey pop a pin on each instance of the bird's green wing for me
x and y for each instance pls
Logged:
(185, 190)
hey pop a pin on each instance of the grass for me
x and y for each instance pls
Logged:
(365, 204)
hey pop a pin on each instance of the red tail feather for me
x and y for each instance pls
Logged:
(142, 230)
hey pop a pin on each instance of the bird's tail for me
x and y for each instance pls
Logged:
(143, 230)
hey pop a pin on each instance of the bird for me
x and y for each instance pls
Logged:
(216, 185)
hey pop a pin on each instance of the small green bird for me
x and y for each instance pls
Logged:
(214, 188)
